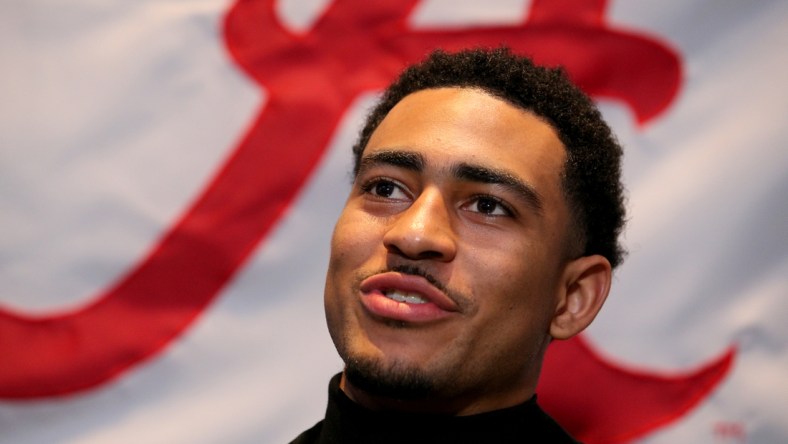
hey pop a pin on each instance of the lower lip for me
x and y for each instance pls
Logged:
(379, 305)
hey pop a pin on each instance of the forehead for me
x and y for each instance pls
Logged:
(464, 125)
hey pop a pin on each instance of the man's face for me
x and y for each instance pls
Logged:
(446, 261)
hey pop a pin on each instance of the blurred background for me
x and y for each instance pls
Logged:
(168, 190)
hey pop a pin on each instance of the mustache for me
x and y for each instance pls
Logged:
(416, 271)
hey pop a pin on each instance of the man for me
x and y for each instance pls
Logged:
(481, 225)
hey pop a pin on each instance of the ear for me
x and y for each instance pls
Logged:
(584, 287)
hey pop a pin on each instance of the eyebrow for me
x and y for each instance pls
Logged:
(487, 175)
(402, 159)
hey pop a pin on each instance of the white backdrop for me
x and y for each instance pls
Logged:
(114, 114)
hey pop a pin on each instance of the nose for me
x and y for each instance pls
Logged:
(423, 231)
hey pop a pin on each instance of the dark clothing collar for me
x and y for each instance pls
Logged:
(347, 422)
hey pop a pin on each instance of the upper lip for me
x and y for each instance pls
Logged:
(408, 283)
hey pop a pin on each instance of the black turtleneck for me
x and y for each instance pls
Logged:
(347, 422)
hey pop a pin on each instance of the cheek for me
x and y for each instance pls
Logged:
(496, 263)
(350, 240)
(355, 242)
(338, 279)
(513, 285)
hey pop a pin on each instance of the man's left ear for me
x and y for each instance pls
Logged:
(584, 288)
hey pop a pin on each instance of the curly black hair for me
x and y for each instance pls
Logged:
(591, 178)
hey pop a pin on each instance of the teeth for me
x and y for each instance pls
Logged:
(410, 298)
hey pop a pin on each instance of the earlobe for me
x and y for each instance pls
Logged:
(584, 288)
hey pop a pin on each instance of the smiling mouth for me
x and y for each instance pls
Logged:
(408, 298)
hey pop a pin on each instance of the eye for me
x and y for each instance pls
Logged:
(489, 206)
(385, 188)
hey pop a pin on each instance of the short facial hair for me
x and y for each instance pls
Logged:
(394, 382)
(397, 380)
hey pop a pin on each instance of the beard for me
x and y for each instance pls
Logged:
(395, 381)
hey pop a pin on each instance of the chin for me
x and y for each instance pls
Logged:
(396, 380)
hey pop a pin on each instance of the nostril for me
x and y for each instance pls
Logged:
(429, 254)
(426, 254)
(393, 249)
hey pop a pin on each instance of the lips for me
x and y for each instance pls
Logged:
(404, 297)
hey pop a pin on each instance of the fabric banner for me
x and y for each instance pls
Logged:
(170, 173)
